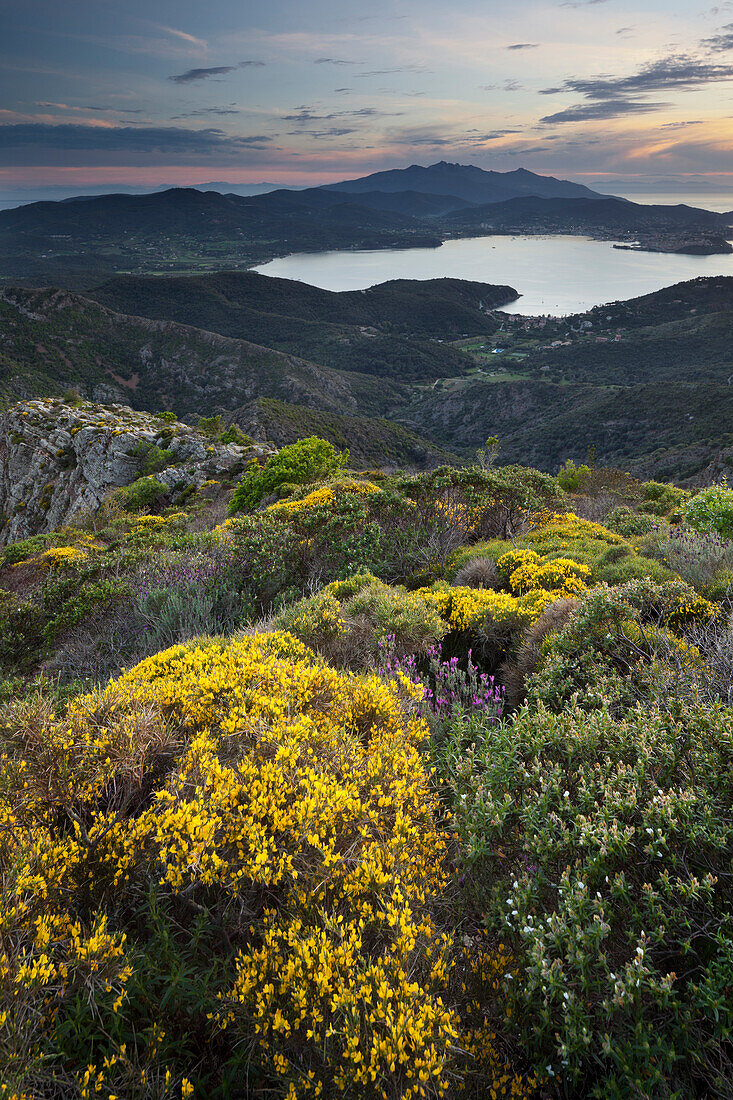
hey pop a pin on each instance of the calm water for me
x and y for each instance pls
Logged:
(556, 275)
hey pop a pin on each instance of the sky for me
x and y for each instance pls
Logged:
(150, 92)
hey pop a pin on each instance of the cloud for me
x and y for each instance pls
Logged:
(399, 69)
(675, 71)
(721, 41)
(192, 75)
(201, 74)
(71, 143)
(89, 107)
(523, 46)
(581, 4)
(182, 35)
(607, 108)
(334, 61)
(507, 86)
(680, 125)
(332, 131)
(306, 114)
(231, 110)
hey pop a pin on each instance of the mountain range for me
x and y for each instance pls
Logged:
(78, 242)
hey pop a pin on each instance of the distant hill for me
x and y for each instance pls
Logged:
(564, 213)
(81, 241)
(465, 181)
(414, 204)
(647, 383)
(183, 228)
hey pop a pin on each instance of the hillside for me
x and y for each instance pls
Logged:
(52, 339)
(79, 242)
(389, 330)
(184, 229)
(653, 397)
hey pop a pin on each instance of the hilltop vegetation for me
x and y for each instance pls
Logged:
(332, 783)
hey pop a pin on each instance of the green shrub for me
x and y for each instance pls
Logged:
(269, 555)
(666, 498)
(627, 522)
(350, 621)
(298, 463)
(620, 564)
(234, 434)
(144, 495)
(712, 510)
(571, 478)
(620, 648)
(210, 426)
(600, 850)
(22, 639)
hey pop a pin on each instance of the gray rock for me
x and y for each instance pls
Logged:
(58, 462)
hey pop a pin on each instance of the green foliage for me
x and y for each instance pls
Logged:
(349, 620)
(711, 510)
(210, 426)
(571, 478)
(599, 849)
(21, 632)
(628, 522)
(620, 564)
(234, 434)
(167, 417)
(143, 495)
(299, 463)
(620, 647)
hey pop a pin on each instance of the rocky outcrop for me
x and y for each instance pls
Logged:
(58, 461)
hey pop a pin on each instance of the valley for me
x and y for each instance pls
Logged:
(408, 372)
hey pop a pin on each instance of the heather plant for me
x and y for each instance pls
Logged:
(600, 849)
(186, 599)
(698, 557)
(449, 690)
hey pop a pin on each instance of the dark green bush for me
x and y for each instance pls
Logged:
(22, 624)
(144, 495)
(627, 522)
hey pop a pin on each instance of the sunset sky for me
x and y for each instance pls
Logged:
(156, 91)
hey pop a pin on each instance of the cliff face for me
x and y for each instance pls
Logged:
(59, 461)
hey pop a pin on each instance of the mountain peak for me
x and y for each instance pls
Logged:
(467, 182)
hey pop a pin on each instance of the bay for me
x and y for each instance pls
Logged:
(555, 275)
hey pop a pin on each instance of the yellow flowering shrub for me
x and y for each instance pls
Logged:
(513, 559)
(287, 803)
(555, 575)
(56, 557)
(325, 495)
(144, 525)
